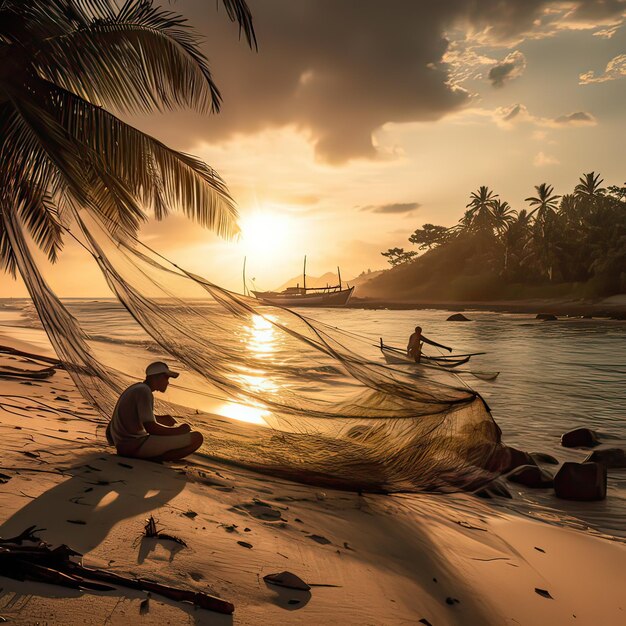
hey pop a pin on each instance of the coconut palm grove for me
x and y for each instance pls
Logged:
(572, 244)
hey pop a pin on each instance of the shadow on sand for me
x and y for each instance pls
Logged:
(103, 490)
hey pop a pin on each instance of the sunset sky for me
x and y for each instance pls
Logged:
(358, 121)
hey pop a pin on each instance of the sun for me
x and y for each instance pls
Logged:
(265, 233)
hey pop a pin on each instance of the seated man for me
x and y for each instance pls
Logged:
(137, 432)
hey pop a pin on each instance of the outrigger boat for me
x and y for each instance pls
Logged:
(331, 295)
(397, 356)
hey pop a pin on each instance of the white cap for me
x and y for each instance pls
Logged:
(158, 367)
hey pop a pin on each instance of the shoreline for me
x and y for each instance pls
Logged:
(615, 310)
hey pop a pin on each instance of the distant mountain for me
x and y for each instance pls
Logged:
(330, 279)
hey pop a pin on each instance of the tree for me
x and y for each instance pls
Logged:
(480, 208)
(502, 215)
(62, 64)
(430, 236)
(398, 256)
(545, 201)
(589, 186)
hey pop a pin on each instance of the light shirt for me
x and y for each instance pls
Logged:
(134, 408)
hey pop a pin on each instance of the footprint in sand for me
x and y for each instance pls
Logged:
(259, 510)
(319, 539)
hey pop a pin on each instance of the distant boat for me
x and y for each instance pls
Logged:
(331, 295)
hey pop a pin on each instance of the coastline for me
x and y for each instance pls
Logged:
(611, 308)
(374, 559)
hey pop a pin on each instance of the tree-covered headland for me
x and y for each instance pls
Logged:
(558, 246)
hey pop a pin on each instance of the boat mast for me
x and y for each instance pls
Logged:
(339, 274)
(245, 289)
(304, 272)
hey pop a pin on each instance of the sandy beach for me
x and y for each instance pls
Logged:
(369, 559)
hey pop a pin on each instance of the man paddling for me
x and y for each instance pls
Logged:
(414, 348)
(137, 432)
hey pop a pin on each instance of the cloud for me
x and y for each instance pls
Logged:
(338, 71)
(508, 117)
(512, 66)
(517, 110)
(579, 118)
(395, 208)
(541, 160)
(615, 68)
(593, 13)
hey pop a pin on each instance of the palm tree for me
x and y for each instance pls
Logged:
(589, 186)
(545, 202)
(502, 215)
(62, 64)
(516, 238)
(544, 235)
(480, 208)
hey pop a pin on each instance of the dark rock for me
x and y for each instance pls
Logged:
(581, 481)
(458, 317)
(496, 488)
(542, 457)
(612, 458)
(544, 593)
(531, 476)
(579, 438)
(504, 459)
(287, 579)
(546, 317)
(245, 544)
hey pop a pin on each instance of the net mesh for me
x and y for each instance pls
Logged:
(323, 413)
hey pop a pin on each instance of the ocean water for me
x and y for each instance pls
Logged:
(553, 377)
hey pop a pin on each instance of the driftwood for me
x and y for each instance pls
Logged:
(30, 355)
(13, 372)
(41, 563)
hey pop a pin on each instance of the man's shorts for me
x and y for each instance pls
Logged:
(157, 445)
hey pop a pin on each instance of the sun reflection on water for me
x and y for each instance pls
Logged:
(261, 336)
(261, 342)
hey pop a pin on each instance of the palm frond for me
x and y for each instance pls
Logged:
(8, 261)
(40, 216)
(238, 11)
(144, 58)
(113, 168)
(164, 179)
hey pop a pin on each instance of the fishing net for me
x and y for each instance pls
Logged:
(317, 409)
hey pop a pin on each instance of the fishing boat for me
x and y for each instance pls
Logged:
(397, 356)
(331, 295)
